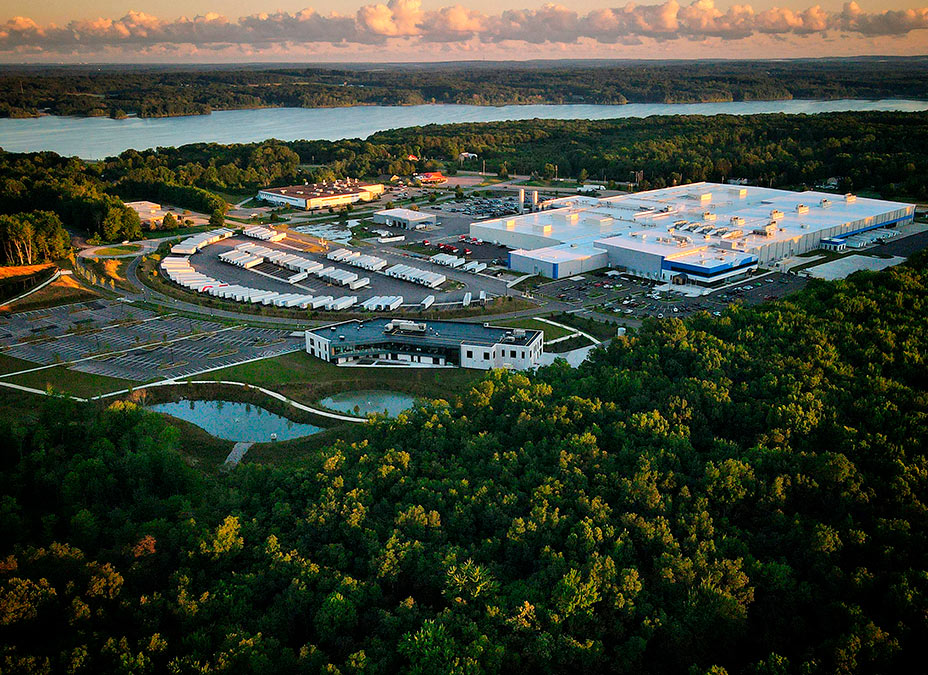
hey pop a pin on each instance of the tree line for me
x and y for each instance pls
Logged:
(881, 152)
(744, 494)
(33, 237)
(166, 92)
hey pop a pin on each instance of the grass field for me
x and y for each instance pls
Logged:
(176, 232)
(17, 271)
(62, 291)
(306, 379)
(576, 342)
(123, 249)
(598, 329)
(551, 332)
(9, 364)
(530, 283)
(112, 270)
(71, 382)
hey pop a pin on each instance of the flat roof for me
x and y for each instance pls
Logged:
(562, 253)
(444, 333)
(731, 220)
(317, 190)
(406, 214)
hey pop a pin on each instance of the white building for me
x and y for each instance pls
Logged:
(440, 343)
(407, 218)
(322, 195)
(700, 233)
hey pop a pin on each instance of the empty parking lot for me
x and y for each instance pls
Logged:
(119, 340)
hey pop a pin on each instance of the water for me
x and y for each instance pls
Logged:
(369, 402)
(99, 137)
(236, 421)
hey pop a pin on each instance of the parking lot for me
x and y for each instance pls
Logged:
(119, 340)
(267, 276)
(628, 297)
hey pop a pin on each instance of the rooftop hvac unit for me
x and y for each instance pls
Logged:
(825, 203)
(405, 326)
(802, 208)
(518, 332)
(849, 198)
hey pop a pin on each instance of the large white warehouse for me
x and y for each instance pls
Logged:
(700, 233)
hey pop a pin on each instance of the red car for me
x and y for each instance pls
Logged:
(425, 242)
(467, 251)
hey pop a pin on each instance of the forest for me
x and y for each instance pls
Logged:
(161, 92)
(885, 153)
(744, 494)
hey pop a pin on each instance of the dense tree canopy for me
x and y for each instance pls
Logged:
(161, 92)
(744, 495)
(32, 237)
(883, 152)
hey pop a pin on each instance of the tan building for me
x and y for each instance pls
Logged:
(322, 195)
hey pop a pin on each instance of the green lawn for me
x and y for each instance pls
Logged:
(9, 364)
(598, 329)
(551, 332)
(576, 342)
(530, 283)
(122, 249)
(176, 232)
(72, 382)
(307, 379)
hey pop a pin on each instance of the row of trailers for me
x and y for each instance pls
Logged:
(263, 233)
(191, 245)
(455, 262)
(180, 271)
(399, 271)
(250, 255)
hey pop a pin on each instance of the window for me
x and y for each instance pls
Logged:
(486, 356)
(512, 353)
(470, 353)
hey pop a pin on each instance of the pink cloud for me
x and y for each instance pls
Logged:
(455, 27)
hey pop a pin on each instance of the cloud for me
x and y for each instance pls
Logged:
(455, 26)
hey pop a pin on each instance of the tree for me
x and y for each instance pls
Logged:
(582, 178)
(216, 219)
(169, 222)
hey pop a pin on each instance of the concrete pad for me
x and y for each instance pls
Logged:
(843, 267)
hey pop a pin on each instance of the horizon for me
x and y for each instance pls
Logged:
(410, 31)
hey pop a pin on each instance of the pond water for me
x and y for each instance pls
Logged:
(233, 421)
(367, 402)
(99, 137)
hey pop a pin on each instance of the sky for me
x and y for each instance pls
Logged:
(210, 31)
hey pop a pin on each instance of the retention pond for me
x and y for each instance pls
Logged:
(368, 402)
(236, 421)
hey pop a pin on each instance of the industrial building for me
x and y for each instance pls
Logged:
(699, 234)
(436, 343)
(406, 218)
(322, 195)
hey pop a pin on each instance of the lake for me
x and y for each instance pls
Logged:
(233, 421)
(99, 137)
(369, 402)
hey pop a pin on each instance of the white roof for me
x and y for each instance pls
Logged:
(405, 214)
(702, 221)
